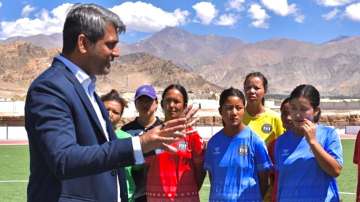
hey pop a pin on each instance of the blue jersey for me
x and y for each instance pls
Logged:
(234, 164)
(300, 176)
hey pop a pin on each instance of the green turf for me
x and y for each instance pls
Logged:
(15, 160)
(348, 177)
(14, 166)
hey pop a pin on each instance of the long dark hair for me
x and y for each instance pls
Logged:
(285, 101)
(310, 93)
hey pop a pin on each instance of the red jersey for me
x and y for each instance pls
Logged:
(177, 176)
(271, 193)
(357, 149)
(356, 160)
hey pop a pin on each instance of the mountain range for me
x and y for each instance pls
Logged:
(208, 62)
(22, 61)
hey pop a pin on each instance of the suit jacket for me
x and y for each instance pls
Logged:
(70, 158)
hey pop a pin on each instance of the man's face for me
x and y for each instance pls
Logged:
(103, 52)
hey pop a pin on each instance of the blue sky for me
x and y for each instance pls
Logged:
(249, 20)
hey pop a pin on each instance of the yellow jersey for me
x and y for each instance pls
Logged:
(268, 125)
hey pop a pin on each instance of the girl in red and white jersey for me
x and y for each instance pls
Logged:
(176, 176)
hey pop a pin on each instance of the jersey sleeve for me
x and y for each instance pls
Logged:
(208, 156)
(197, 147)
(262, 158)
(333, 146)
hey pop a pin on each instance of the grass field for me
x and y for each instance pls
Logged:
(15, 160)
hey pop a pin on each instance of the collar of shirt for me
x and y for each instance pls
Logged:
(86, 81)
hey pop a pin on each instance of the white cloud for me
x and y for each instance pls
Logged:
(45, 23)
(145, 17)
(283, 8)
(0, 4)
(137, 16)
(331, 15)
(259, 16)
(227, 20)
(279, 7)
(353, 12)
(299, 18)
(236, 5)
(331, 3)
(205, 12)
(27, 10)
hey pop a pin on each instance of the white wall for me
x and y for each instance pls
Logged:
(13, 133)
(11, 107)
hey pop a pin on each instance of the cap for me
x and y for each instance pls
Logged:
(146, 90)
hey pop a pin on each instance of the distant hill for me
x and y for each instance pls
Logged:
(130, 71)
(224, 61)
(42, 40)
(185, 49)
(332, 66)
(21, 62)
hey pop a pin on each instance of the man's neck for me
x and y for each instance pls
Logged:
(146, 121)
(75, 58)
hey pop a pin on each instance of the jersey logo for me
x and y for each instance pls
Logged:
(285, 152)
(266, 128)
(243, 150)
(216, 150)
(182, 146)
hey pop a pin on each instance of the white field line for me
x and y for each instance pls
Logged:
(13, 181)
(347, 193)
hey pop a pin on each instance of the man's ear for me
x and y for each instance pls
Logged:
(82, 43)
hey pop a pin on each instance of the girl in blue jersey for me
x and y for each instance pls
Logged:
(236, 158)
(308, 156)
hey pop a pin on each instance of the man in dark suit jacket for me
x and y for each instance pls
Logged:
(74, 155)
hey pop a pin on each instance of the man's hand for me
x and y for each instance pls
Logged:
(171, 131)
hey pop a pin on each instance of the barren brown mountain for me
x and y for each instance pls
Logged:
(42, 40)
(21, 62)
(331, 66)
(130, 71)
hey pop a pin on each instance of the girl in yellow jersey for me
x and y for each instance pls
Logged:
(265, 122)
